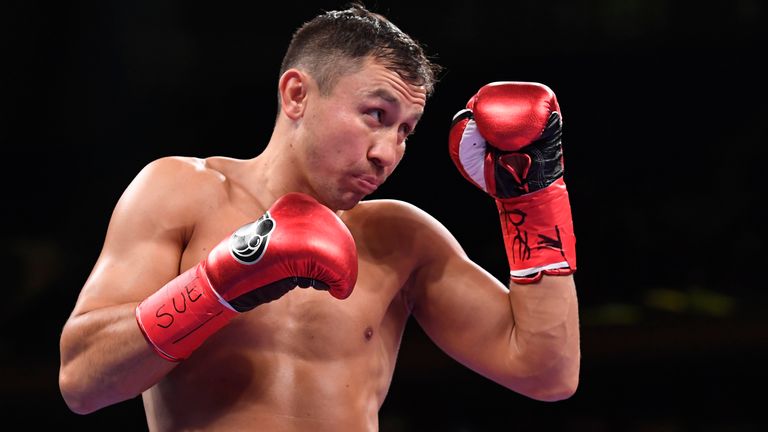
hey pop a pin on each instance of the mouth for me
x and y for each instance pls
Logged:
(366, 184)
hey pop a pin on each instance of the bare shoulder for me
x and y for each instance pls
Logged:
(403, 224)
(182, 172)
(392, 208)
(175, 186)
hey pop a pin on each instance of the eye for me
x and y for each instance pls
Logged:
(377, 114)
(406, 130)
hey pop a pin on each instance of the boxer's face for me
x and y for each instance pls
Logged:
(355, 136)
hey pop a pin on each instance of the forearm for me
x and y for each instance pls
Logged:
(544, 341)
(508, 142)
(105, 359)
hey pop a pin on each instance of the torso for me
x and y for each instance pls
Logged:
(304, 362)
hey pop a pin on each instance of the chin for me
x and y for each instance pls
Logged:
(344, 202)
(346, 205)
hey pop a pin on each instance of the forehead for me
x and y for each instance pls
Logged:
(373, 79)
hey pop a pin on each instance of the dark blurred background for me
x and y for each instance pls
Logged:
(665, 144)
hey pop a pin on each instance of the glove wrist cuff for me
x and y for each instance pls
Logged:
(179, 317)
(538, 233)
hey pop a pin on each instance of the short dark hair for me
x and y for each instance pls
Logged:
(336, 42)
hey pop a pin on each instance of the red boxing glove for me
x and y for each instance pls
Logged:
(297, 242)
(508, 143)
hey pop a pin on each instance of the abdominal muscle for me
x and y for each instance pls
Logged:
(304, 362)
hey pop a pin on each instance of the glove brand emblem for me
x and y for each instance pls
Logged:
(248, 244)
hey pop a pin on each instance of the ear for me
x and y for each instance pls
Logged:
(293, 88)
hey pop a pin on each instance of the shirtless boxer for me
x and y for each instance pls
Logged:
(266, 294)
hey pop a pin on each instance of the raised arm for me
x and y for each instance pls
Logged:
(508, 143)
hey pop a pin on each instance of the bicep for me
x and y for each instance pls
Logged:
(128, 274)
(463, 308)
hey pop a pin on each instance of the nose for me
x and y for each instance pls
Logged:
(386, 150)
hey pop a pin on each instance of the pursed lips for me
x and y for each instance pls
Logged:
(367, 183)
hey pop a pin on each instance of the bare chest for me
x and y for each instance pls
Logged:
(312, 324)
(306, 355)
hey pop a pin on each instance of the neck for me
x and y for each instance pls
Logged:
(275, 175)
